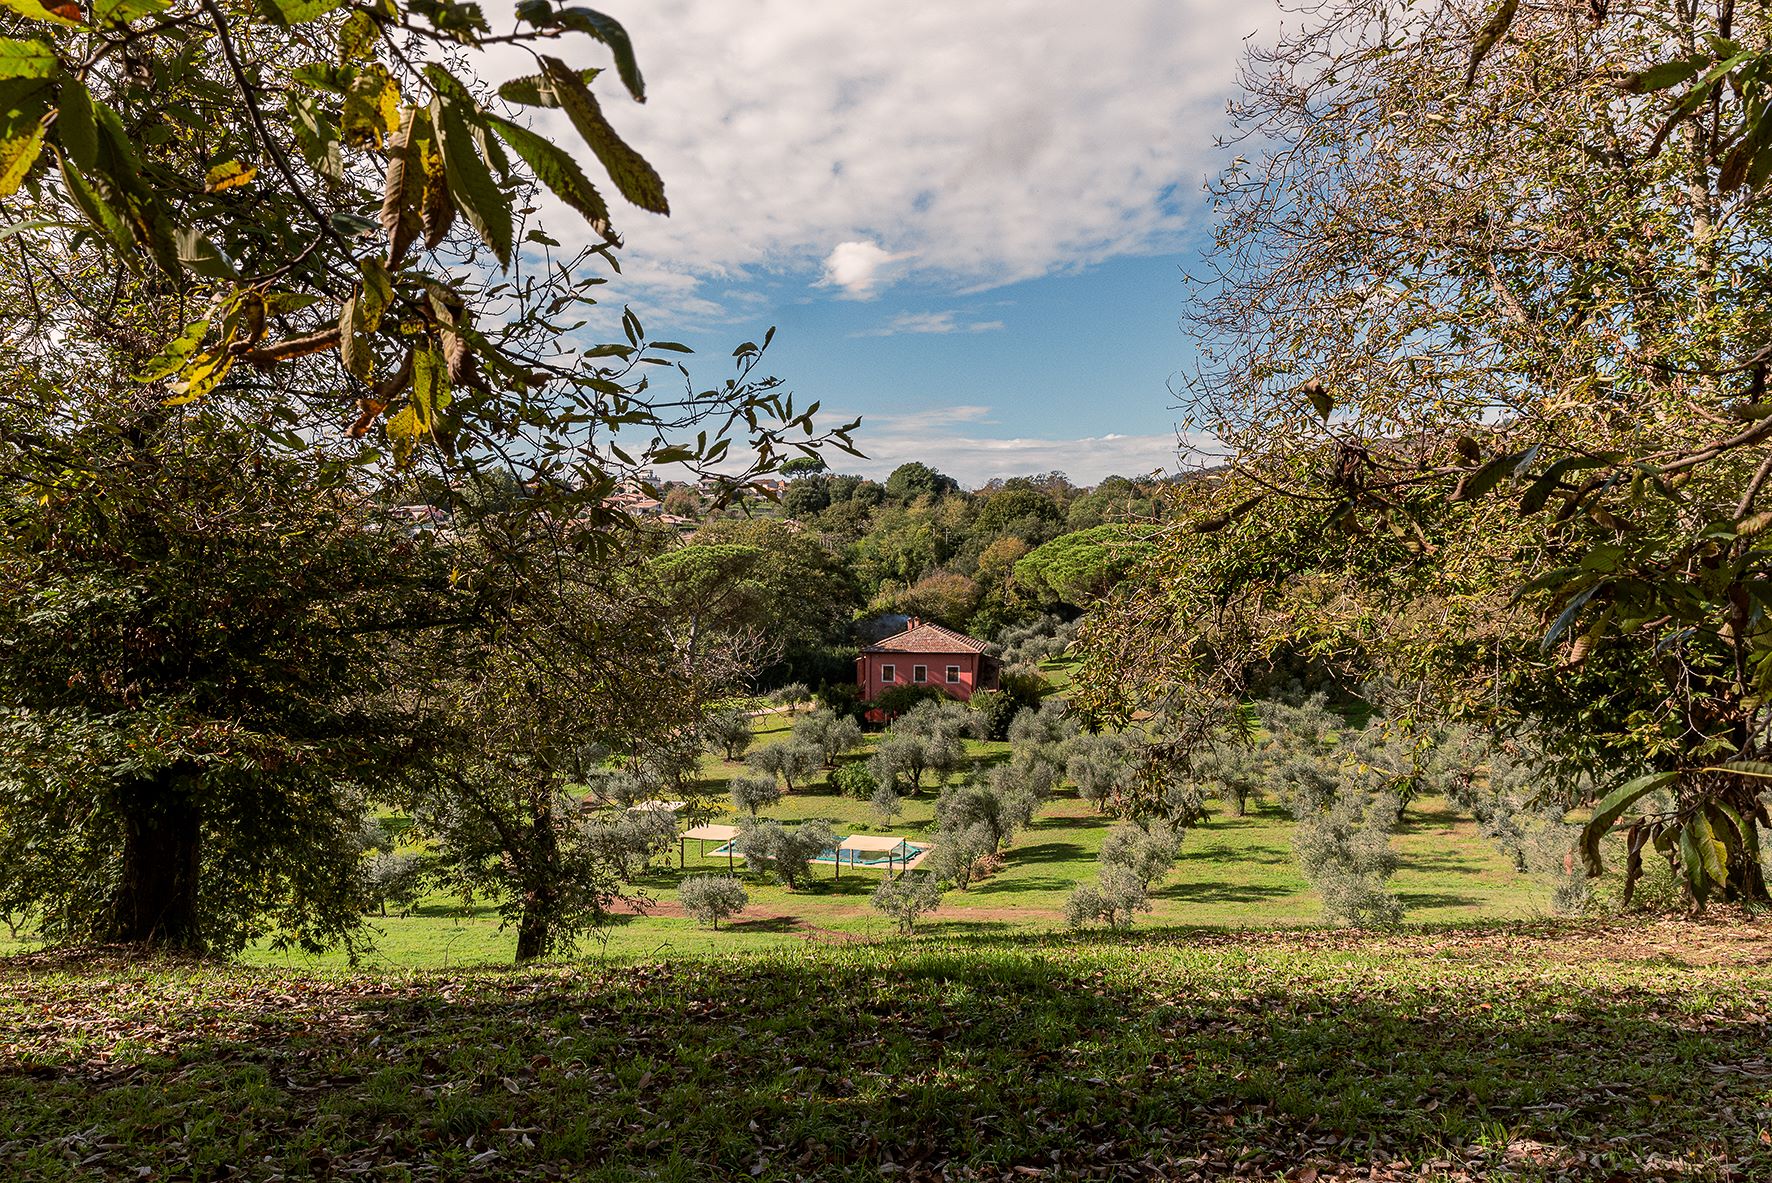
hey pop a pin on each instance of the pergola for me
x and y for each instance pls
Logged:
(886, 844)
(705, 835)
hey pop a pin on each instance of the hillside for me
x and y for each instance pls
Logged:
(1530, 1052)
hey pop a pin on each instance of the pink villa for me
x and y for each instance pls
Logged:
(926, 655)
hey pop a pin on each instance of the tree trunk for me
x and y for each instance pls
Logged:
(532, 933)
(155, 901)
(542, 859)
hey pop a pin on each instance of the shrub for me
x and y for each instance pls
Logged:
(996, 710)
(906, 897)
(1113, 899)
(854, 780)
(712, 898)
(833, 735)
(900, 699)
(999, 807)
(1147, 853)
(730, 731)
(751, 793)
(843, 698)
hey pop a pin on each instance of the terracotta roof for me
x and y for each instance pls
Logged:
(928, 638)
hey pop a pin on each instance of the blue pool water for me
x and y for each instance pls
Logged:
(846, 858)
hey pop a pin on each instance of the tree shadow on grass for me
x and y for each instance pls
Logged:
(1225, 893)
(764, 924)
(1102, 1061)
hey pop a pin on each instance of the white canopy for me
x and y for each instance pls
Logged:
(712, 833)
(875, 842)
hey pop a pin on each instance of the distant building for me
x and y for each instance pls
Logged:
(926, 655)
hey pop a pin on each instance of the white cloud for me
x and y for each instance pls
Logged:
(985, 143)
(858, 268)
(973, 461)
(931, 322)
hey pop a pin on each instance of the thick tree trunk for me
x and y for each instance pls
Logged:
(532, 934)
(155, 901)
(539, 899)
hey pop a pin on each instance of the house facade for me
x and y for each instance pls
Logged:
(926, 655)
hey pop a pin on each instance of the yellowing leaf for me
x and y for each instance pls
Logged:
(17, 155)
(230, 175)
(172, 355)
(27, 59)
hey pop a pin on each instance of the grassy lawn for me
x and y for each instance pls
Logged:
(1525, 1051)
(1234, 872)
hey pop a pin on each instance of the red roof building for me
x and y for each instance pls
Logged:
(926, 655)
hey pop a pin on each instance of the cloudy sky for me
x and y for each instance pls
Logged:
(968, 220)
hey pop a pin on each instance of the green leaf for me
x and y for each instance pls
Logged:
(95, 200)
(1664, 75)
(75, 129)
(637, 180)
(121, 12)
(37, 12)
(378, 292)
(470, 181)
(198, 254)
(1758, 769)
(299, 12)
(173, 354)
(1540, 490)
(353, 345)
(595, 24)
(24, 111)
(558, 171)
(534, 90)
(27, 59)
(1479, 482)
(1611, 808)
(357, 37)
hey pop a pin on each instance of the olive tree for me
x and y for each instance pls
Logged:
(712, 898)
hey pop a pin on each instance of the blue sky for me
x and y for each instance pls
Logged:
(968, 221)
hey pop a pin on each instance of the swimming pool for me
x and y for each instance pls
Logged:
(837, 857)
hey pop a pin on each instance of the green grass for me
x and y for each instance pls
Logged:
(1519, 1051)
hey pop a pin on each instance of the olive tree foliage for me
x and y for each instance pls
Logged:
(1098, 765)
(730, 731)
(712, 898)
(1344, 848)
(834, 735)
(1113, 900)
(888, 803)
(963, 855)
(791, 760)
(751, 793)
(1486, 351)
(907, 897)
(905, 756)
(1148, 851)
(786, 851)
(620, 845)
(998, 809)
